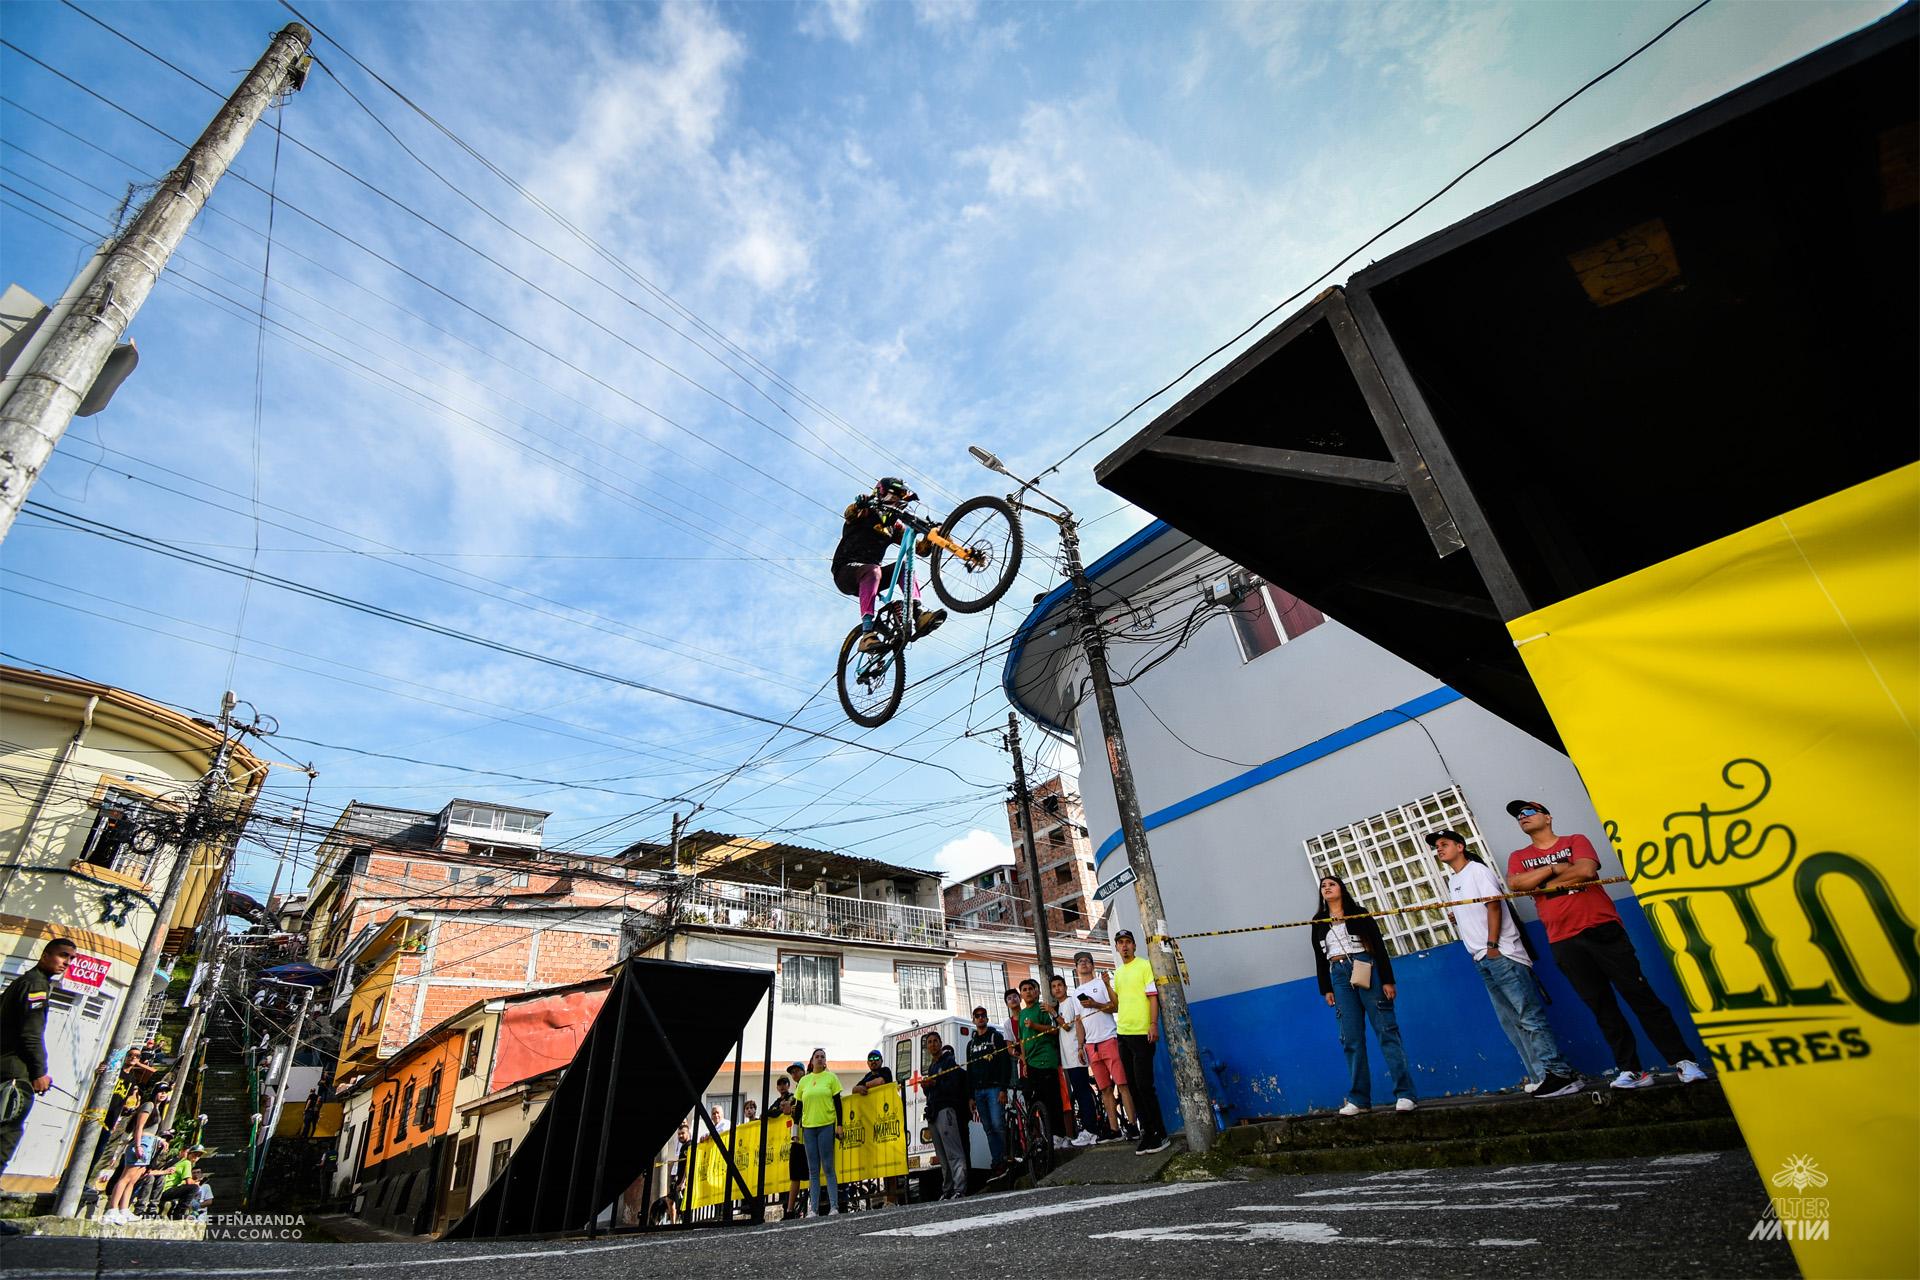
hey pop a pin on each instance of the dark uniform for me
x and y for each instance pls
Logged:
(23, 1053)
(865, 538)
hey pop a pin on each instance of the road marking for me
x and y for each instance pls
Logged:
(1448, 1187)
(1693, 1157)
(1316, 1233)
(953, 1226)
(1439, 1206)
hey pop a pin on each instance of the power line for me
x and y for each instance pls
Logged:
(1375, 238)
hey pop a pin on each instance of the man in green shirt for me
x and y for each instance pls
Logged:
(1136, 1002)
(1040, 1048)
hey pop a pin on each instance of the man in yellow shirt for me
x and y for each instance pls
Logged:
(1136, 1004)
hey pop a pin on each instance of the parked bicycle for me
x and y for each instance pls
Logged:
(1029, 1137)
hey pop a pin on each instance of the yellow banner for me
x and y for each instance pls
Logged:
(1744, 716)
(874, 1145)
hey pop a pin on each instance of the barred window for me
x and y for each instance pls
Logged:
(1385, 863)
(977, 983)
(810, 980)
(922, 986)
(502, 1152)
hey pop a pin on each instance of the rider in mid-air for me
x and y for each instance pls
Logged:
(871, 528)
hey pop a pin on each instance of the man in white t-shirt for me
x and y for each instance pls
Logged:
(1099, 1040)
(1073, 1062)
(1491, 934)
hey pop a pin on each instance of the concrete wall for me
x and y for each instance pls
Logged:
(1227, 840)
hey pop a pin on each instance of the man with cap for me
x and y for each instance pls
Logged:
(879, 1076)
(1491, 934)
(1591, 945)
(1136, 1009)
(786, 1104)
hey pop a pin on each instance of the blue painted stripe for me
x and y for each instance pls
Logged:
(1053, 600)
(1299, 757)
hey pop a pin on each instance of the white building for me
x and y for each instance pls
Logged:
(1270, 744)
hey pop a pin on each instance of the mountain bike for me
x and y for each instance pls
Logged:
(1029, 1137)
(972, 558)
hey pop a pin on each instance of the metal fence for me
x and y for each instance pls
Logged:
(824, 915)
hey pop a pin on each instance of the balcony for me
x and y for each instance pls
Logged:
(818, 915)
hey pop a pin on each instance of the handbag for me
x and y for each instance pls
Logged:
(1361, 974)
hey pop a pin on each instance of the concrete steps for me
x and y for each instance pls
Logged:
(1601, 1123)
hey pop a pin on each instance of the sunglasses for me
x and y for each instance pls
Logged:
(1526, 813)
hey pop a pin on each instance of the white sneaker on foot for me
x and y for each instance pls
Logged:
(1405, 1104)
(1085, 1138)
(1531, 1085)
(1690, 1071)
(1633, 1080)
(1061, 1144)
(1351, 1110)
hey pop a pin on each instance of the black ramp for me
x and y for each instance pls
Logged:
(621, 1098)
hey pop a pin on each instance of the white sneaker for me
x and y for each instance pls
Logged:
(1405, 1104)
(1061, 1144)
(1085, 1138)
(114, 1217)
(1690, 1072)
(1633, 1080)
(1351, 1110)
(1532, 1085)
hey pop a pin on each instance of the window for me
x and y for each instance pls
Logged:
(111, 842)
(922, 986)
(380, 1130)
(423, 1116)
(1385, 863)
(463, 1159)
(359, 1024)
(472, 1061)
(379, 1008)
(966, 890)
(1063, 873)
(978, 982)
(502, 1152)
(810, 980)
(406, 1111)
(1269, 617)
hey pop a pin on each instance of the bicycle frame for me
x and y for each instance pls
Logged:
(902, 565)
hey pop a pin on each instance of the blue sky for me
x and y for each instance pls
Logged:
(942, 222)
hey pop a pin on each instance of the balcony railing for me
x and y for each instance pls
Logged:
(821, 915)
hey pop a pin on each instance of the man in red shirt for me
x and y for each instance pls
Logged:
(1591, 945)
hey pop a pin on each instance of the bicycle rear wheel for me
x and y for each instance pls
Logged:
(989, 529)
(1039, 1139)
(871, 684)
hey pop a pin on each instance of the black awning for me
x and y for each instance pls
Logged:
(665, 1029)
(1685, 335)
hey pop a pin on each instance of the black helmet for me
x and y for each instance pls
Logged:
(891, 484)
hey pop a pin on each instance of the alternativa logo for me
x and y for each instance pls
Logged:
(1795, 1217)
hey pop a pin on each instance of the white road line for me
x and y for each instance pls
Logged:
(1692, 1157)
(1440, 1187)
(953, 1226)
(1314, 1233)
(1436, 1206)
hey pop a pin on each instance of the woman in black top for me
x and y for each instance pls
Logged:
(1345, 937)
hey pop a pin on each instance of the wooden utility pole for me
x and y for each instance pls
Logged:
(40, 404)
(1023, 802)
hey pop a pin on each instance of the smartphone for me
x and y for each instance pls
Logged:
(1086, 1000)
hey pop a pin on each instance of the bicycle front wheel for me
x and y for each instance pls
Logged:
(871, 684)
(988, 530)
(1040, 1140)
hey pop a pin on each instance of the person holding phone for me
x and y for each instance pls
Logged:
(1356, 978)
(1101, 1043)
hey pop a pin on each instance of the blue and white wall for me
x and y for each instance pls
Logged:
(1326, 730)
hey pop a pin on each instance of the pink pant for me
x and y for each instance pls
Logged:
(871, 578)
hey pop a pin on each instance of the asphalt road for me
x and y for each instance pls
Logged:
(1668, 1216)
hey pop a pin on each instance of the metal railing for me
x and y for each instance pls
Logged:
(823, 915)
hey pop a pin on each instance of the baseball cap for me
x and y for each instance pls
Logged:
(875, 1053)
(1515, 806)
(1125, 933)
(1435, 837)
(796, 1066)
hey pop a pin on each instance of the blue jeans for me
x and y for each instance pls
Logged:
(1086, 1103)
(1358, 1006)
(819, 1140)
(993, 1118)
(1516, 1001)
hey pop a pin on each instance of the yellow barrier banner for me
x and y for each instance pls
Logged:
(1744, 716)
(873, 1145)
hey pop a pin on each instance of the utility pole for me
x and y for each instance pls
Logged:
(192, 832)
(1190, 1081)
(1023, 800)
(40, 405)
(279, 1094)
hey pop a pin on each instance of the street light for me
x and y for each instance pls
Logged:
(988, 461)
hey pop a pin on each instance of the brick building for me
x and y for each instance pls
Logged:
(994, 896)
(998, 895)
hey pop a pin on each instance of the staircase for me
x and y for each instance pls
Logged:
(226, 1100)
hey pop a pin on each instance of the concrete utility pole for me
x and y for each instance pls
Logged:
(39, 406)
(279, 1094)
(1190, 1081)
(1023, 799)
(193, 830)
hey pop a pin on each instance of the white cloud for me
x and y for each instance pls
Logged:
(1042, 165)
(975, 851)
(846, 19)
(945, 15)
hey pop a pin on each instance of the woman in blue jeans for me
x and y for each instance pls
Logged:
(821, 1117)
(1356, 977)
